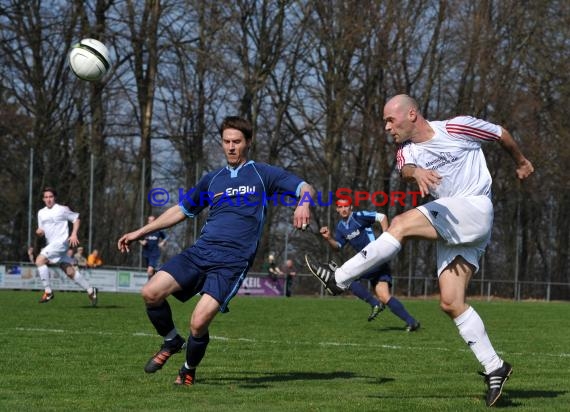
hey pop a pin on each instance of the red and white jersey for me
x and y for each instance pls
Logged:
(455, 153)
(54, 223)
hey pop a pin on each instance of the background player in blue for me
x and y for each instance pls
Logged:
(357, 288)
(355, 228)
(216, 265)
(151, 246)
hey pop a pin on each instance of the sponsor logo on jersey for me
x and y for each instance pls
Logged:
(352, 235)
(240, 190)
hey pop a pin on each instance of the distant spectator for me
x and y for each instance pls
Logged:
(80, 258)
(94, 260)
(71, 255)
(28, 256)
(273, 272)
(290, 273)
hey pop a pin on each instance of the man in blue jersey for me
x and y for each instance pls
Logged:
(356, 229)
(217, 264)
(357, 288)
(151, 246)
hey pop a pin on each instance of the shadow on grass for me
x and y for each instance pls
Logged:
(271, 377)
(509, 397)
(102, 307)
(395, 329)
(507, 400)
(515, 393)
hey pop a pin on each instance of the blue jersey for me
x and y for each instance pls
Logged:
(151, 248)
(238, 200)
(356, 230)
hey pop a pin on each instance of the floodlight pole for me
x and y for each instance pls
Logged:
(30, 196)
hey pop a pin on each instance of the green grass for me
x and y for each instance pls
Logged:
(275, 354)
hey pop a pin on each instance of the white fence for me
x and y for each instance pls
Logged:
(121, 279)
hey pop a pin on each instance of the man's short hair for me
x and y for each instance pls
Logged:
(49, 189)
(238, 123)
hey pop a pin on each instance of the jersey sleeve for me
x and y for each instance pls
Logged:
(280, 181)
(473, 129)
(404, 156)
(380, 217)
(198, 198)
(340, 240)
(70, 216)
(40, 221)
(365, 218)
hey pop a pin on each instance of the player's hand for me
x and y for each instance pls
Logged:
(524, 169)
(73, 240)
(302, 217)
(325, 232)
(40, 232)
(126, 240)
(426, 179)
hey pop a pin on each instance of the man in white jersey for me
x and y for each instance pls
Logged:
(445, 159)
(53, 224)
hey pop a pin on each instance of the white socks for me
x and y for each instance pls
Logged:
(379, 251)
(472, 330)
(78, 278)
(81, 281)
(43, 271)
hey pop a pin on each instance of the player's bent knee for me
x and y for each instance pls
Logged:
(397, 225)
(151, 295)
(452, 309)
(199, 325)
(446, 307)
(67, 269)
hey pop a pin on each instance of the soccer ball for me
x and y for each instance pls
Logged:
(89, 60)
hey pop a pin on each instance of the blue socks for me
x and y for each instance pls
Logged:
(398, 309)
(161, 318)
(363, 293)
(196, 349)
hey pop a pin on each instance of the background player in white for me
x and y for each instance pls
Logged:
(53, 224)
(445, 159)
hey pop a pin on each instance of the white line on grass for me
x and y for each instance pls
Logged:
(226, 339)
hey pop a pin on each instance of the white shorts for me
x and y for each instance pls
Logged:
(464, 223)
(56, 253)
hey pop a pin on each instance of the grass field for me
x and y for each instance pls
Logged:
(276, 354)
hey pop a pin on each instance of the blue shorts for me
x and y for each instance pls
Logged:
(381, 274)
(214, 272)
(151, 261)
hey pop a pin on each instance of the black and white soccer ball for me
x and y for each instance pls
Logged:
(89, 60)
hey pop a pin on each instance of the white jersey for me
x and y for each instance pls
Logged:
(455, 153)
(54, 223)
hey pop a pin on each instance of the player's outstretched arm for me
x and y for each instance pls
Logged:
(524, 166)
(169, 218)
